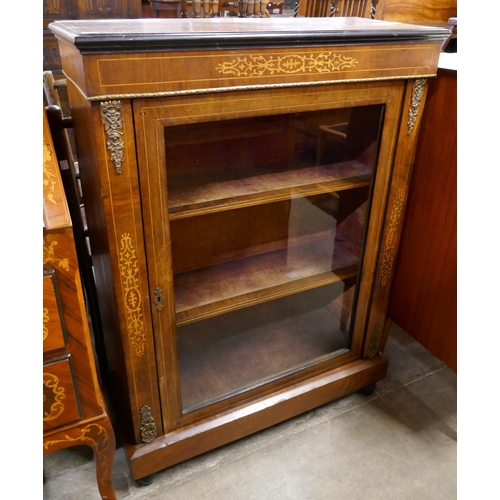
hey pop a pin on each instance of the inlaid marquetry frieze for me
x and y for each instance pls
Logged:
(53, 395)
(46, 319)
(129, 270)
(416, 98)
(112, 118)
(148, 426)
(54, 328)
(259, 65)
(55, 210)
(50, 257)
(49, 177)
(390, 242)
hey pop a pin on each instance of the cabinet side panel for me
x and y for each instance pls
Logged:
(73, 65)
(424, 292)
(408, 133)
(112, 207)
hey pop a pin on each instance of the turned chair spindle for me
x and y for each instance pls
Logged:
(212, 8)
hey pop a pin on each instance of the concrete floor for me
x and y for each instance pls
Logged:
(400, 443)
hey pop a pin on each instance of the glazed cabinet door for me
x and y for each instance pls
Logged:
(263, 215)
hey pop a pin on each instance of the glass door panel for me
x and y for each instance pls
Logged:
(267, 223)
(227, 354)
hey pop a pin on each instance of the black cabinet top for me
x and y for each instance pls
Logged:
(106, 36)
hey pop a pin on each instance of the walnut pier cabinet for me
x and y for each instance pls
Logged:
(245, 183)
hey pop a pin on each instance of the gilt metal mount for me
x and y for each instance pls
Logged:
(112, 118)
(416, 97)
(148, 426)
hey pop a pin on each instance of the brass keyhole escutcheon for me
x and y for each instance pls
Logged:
(158, 299)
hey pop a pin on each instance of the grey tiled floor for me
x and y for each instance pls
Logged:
(400, 443)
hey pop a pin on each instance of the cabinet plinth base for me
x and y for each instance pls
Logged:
(185, 443)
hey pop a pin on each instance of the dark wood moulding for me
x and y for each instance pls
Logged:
(180, 34)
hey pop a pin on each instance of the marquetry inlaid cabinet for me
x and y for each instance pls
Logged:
(74, 409)
(245, 182)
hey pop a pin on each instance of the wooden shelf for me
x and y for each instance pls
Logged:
(215, 290)
(215, 365)
(207, 193)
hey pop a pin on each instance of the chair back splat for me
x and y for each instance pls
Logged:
(336, 8)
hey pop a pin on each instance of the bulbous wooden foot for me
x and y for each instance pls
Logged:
(146, 480)
(368, 390)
